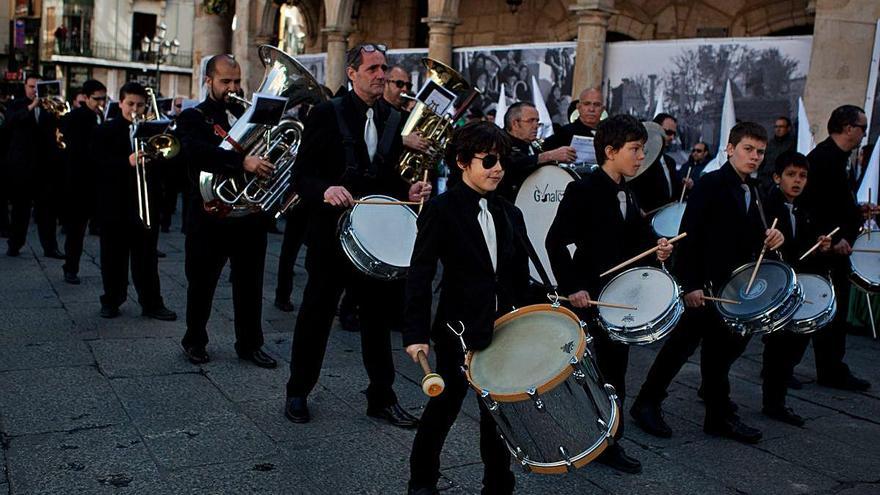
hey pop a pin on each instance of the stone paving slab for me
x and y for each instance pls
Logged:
(38, 355)
(274, 474)
(57, 399)
(102, 460)
(118, 358)
(48, 324)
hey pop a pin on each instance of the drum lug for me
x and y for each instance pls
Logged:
(612, 393)
(539, 403)
(568, 464)
(579, 376)
(523, 460)
(491, 404)
(603, 426)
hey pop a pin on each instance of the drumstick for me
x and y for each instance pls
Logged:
(760, 258)
(818, 244)
(603, 304)
(721, 300)
(865, 250)
(683, 188)
(640, 256)
(422, 200)
(380, 202)
(432, 383)
(869, 205)
(655, 210)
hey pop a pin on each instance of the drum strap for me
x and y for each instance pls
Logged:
(533, 255)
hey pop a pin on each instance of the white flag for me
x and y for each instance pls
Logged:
(870, 179)
(658, 109)
(805, 140)
(501, 107)
(545, 127)
(728, 120)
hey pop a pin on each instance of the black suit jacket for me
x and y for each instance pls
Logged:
(32, 147)
(721, 234)
(523, 160)
(589, 217)
(828, 193)
(802, 238)
(652, 189)
(450, 233)
(77, 127)
(321, 163)
(563, 137)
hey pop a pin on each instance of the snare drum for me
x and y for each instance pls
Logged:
(538, 198)
(657, 297)
(819, 306)
(538, 380)
(769, 305)
(667, 221)
(866, 266)
(379, 239)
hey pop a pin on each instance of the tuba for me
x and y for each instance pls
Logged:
(243, 193)
(432, 126)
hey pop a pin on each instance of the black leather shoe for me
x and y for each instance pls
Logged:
(54, 254)
(160, 313)
(13, 251)
(259, 358)
(847, 382)
(296, 409)
(649, 417)
(285, 306)
(615, 458)
(733, 428)
(731, 405)
(395, 416)
(71, 278)
(108, 311)
(784, 414)
(794, 383)
(196, 355)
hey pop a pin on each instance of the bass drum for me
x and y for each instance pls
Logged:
(538, 199)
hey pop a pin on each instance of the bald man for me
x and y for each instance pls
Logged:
(590, 106)
(211, 237)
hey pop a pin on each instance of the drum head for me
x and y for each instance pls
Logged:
(667, 221)
(819, 293)
(649, 289)
(538, 198)
(773, 284)
(866, 266)
(532, 347)
(387, 232)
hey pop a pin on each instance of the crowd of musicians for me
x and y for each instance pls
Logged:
(351, 147)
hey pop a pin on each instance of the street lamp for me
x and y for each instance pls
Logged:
(162, 49)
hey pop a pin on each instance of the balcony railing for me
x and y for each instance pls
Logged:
(110, 51)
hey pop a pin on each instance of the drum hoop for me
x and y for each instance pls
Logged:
(670, 307)
(772, 309)
(807, 325)
(856, 276)
(550, 384)
(354, 238)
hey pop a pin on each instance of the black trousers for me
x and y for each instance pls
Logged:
(121, 242)
(39, 197)
(294, 234)
(437, 419)
(829, 343)
(721, 347)
(75, 222)
(612, 359)
(783, 351)
(329, 273)
(242, 241)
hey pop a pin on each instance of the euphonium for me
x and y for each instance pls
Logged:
(435, 128)
(58, 107)
(243, 193)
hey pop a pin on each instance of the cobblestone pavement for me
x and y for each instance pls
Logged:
(111, 406)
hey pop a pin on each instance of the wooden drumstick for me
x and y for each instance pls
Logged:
(422, 200)
(432, 383)
(683, 188)
(603, 304)
(720, 299)
(381, 202)
(865, 250)
(869, 206)
(640, 256)
(760, 258)
(815, 246)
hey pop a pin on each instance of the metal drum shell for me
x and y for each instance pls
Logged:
(770, 319)
(646, 333)
(360, 257)
(813, 324)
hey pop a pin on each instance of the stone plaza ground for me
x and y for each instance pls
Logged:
(96, 406)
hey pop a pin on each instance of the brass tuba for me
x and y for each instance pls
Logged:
(432, 126)
(243, 193)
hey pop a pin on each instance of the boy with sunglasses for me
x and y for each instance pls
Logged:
(477, 236)
(602, 203)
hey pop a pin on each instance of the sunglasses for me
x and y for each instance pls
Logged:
(697, 150)
(401, 84)
(670, 132)
(366, 48)
(98, 98)
(489, 161)
(863, 127)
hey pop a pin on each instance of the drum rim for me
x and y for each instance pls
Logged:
(549, 384)
(671, 308)
(741, 319)
(397, 271)
(807, 326)
(856, 276)
(664, 208)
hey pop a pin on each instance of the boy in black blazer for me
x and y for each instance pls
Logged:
(478, 237)
(601, 217)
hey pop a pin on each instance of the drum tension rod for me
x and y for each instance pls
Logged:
(539, 403)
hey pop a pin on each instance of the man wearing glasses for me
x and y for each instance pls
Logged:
(350, 148)
(397, 85)
(80, 191)
(590, 106)
(696, 163)
(659, 184)
(830, 198)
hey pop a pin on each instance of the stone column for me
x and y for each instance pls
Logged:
(334, 66)
(592, 22)
(442, 19)
(211, 35)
